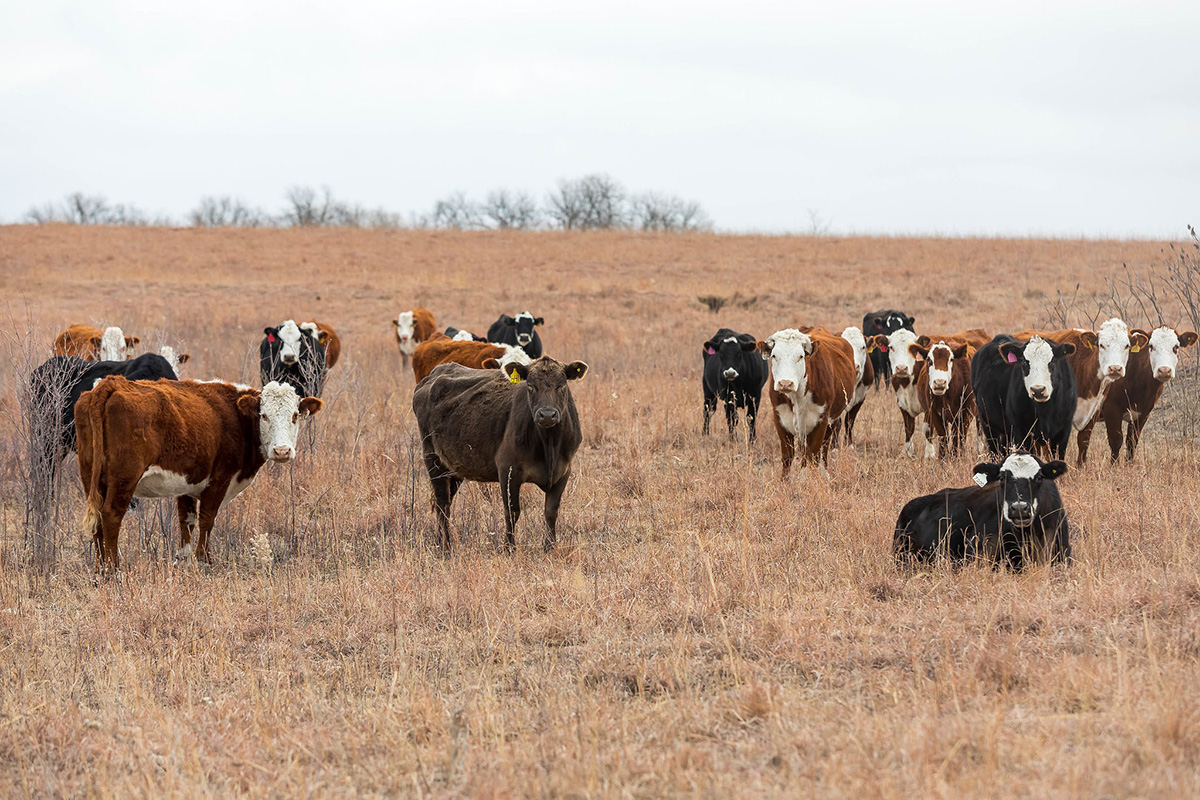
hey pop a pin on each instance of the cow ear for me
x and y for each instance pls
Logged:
(985, 473)
(960, 351)
(270, 331)
(764, 348)
(924, 341)
(1009, 353)
(395, 323)
(309, 406)
(322, 336)
(919, 352)
(490, 363)
(810, 347)
(908, 322)
(748, 347)
(505, 319)
(709, 348)
(1137, 340)
(575, 370)
(539, 321)
(183, 358)
(95, 341)
(1064, 349)
(132, 341)
(1187, 338)
(516, 372)
(880, 340)
(248, 404)
(1054, 469)
(1089, 339)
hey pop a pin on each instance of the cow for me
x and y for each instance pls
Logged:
(519, 331)
(884, 322)
(412, 328)
(733, 373)
(462, 336)
(866, 377)
(202, 442)
(1014, 516)
(1098, 362)
(944, 391)
(1024, 394)
(176, 360)
(477, 355)
(94, 344)
(328, 339)
(812, 382)
(512, 427)
(289, 355)
(1133, 397)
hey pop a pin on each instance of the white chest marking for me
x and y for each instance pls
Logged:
(1086, 408)
(802, 416)
(236, 487)
(159, 482)
(909, 400)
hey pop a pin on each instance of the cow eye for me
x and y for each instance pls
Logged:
(263, 417)
(295, 416)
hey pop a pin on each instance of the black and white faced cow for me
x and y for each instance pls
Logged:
(290, 355)
(884, 322)
(1014, 515)
(734, 373)
(1025, 394)
(518, 331)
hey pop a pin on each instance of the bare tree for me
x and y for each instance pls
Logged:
(593, 202)
(504, 210)
(655, 211)
(227, 212)
(456, 212)
(307, 208)
(83, 209)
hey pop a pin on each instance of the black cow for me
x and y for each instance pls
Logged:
(884, 322)
(1025, 394)
(459, 335)
(734, 373)
(292, 355)
(509, 427)
(1015, 517)
(519, 332)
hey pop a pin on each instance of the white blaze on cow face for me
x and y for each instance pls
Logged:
(903, 362)
(524, 338)
(405, 331)
(1164, 353)
(788, 350)
(941, 367)
(855, 337)
(1114, 345)
(289, 342)
(1020, 501)
(168, 352)
(730, 374)
(279, 420)
(113, 346)
(1038, 355)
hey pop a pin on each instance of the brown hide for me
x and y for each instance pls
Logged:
(329, 340)
(83, 341)
(950, 413)
(444, 350)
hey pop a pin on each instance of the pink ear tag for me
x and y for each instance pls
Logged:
(1010, 358)
(883, 348)
(270, 337)
(710, 351)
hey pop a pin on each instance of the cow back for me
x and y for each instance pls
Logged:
(442, 350)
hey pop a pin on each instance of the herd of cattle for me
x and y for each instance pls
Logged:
(494, 409)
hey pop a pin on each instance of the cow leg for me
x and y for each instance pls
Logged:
(510, 493)
(752, 416)
(816, 445)
(910, 427)
(188, 522)
(210, 504)
(116, 503)
(731, 416)
(851, 415)
(787, 448)
(553, 499)
(710, 406)
(444, 485)
(1083, 440)
(1134, 435)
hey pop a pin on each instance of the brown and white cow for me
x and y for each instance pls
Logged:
(328, 338)
(202, 442)
(477, 355)
(944, 390)
(866, 378)
(1133, 397)
(906, 366)
(1099, 361)
(94, 344)
(412, 328)
(812, 382)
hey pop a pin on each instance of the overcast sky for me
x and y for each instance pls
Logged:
(1047, 117)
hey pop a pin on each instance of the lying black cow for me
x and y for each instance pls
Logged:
(734, 373)
(56, 386)
(884, 322)
(512, 427)
(1015, 517)
(1025, 394)
(291, 355)
(519, 332)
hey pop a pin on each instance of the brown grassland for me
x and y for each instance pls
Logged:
(702, 629)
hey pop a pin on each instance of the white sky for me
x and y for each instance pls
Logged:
(1058, 118)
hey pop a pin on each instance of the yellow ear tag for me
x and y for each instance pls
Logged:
(1136, 348)
(1090, 346)
(515, 377)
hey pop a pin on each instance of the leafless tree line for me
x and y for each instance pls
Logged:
(593, 202)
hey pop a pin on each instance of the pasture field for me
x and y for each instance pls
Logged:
(702, 629)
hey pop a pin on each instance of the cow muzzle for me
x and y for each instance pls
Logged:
(1039, 393)
(938, 387)
(282, 454)
(546, 417)
(1020, 514)
(785, 386)
(1164, 374)
(730, 374)
(1116, 371)
(901, 371)
(524, 339)
(288, 359)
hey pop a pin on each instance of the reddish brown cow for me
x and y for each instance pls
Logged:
(328, 338)
(94, 344)
(201, 442)
(412, 328)
(477, 355)
(944, 389)
(812, 381)
(1132, 398)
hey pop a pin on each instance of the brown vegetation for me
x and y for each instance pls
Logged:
(702, 627)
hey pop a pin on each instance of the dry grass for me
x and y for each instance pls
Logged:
(702, 629)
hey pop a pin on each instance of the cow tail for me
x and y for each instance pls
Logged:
(95, 417)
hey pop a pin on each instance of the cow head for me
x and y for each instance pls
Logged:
(176, 361)
(885, 322)
(787, 350)
(545, 387)
(901, 358)
(1164, 344)
(1034, 360)
(279, 410)
(859, 343)
(512, 355)
(1021, 476)
(319, 336)
(405, 332)
(940, 364)
(524, 324)
(1114, 343)
(290, 346)
(116, 346)
(728, 351)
